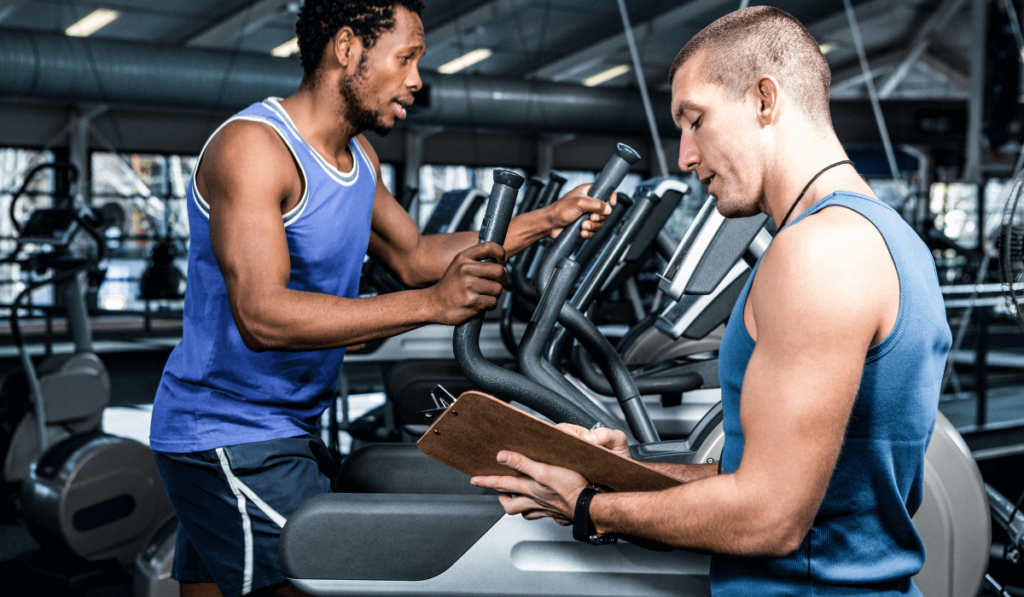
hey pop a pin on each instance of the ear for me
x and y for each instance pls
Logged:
(766, 89)
(346, 47)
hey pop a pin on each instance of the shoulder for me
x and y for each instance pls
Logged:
(370, 153)
(831, 267)
(242, 138)
(246, 152)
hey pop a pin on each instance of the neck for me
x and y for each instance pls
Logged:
(796, 165)
(320, 117)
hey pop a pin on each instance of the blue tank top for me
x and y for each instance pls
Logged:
(215, 391)
(862, 541)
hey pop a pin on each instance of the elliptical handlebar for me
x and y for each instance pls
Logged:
(604, 262)
(569, 239)
(466, 340)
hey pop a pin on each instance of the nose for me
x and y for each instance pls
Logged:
(414, 82)
(688, 154)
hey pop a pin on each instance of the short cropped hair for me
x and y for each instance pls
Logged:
(762, 40)
(320, 20)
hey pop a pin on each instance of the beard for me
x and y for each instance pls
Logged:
(354, 110)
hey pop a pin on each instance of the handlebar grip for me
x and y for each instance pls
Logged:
(549, 193)
(614, 172)
(533, 191)
(500, 206)
(607, 181)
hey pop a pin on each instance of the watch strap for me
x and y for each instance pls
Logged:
(583, 528)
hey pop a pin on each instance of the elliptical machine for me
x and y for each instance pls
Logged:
(459, 543)
(83, 493)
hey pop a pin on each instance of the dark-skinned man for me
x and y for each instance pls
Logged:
(831, 360)
(285, 202)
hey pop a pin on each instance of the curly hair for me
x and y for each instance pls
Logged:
(320, 20)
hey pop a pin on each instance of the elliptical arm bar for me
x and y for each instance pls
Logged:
(569, 239)
(588, 372)
(618, 374)
(601, 267)
(530, 361)
(466, 341)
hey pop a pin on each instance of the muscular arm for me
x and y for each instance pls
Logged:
(247, 176)
(420, 260)
(814, 312)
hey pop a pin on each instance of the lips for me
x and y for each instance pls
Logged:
(400, 105)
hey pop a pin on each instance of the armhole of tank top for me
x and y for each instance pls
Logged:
(877, 351)
(289, 217)
(366, 159)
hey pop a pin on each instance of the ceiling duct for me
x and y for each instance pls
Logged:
(83, 70)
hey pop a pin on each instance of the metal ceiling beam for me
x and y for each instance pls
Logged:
(941, 66)
(241, 22)
(850, 74)
(567, 66)
(593, 52)
(467, 22)
(931, 28)
(837, 22)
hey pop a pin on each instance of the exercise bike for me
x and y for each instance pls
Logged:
(91, 500)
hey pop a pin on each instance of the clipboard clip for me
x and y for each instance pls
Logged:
(442, 400)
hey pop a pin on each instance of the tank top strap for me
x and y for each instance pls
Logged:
(360, 159)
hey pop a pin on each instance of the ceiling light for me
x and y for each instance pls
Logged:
(287, 48)
(465, 61)
(93, 22)
(608, 75)
(826, 48)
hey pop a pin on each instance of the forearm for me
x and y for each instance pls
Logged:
(713, 514)
(295, 320)
(684, 473)
(435, 251)
(526, 229)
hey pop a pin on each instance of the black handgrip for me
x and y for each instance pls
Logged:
(500, 206)
(569, 239)
(614, 172)
(466, 340)
(533, 190)
(551, 190)
(601, 268)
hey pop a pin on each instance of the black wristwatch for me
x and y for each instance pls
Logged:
(582, 527)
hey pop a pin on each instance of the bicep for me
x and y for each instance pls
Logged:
(246, 227)
(813, 332)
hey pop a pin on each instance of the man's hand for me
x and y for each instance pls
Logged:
(610, 439)
(468, 286)
(574, 204)
(545, 492)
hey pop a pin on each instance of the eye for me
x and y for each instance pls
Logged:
(696, 123)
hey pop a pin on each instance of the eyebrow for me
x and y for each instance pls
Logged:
(683, 106)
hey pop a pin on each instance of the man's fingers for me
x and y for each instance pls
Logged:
(488, 271)
(573, 429)
(594, 206)
(518, 504)
(518, 462)
(481, 251)
(516, 485)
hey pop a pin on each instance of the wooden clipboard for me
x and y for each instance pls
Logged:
(471, 432)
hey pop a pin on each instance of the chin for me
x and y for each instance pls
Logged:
(737, 208)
